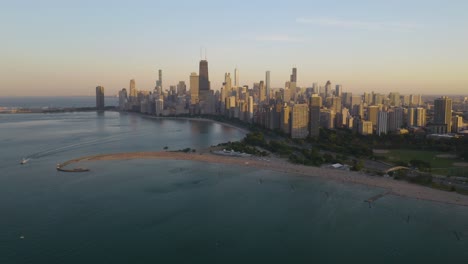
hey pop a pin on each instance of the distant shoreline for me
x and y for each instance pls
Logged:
(392, 187)
(202, 119)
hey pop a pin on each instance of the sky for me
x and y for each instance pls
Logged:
(61, 48)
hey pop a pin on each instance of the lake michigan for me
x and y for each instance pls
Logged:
(159, 211)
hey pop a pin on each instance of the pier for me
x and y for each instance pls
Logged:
(376, 197)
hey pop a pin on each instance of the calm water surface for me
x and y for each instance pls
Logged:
(155, 211)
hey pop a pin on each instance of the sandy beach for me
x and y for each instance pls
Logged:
(393, 187)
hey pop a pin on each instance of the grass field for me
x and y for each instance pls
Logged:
(427, 156)
(439, 165)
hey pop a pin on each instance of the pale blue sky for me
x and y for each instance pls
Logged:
(69, 47)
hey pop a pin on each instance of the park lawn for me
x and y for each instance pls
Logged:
(406, 155)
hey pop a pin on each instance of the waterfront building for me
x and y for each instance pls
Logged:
(284, 119)
(236, 78)
(299, 121)
(123, 97)
(159, 107)
(315, 103)
(100, 98)
(133, 91)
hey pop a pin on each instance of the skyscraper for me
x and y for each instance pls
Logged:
(315, 103)
(457, 123)
(204, 81)
(194, 82)
(236, 78)
(228, 82)
(416, 117)
(382, 123)
(181, 88)
(294, 75)
(328, 89)
(443, 112)
(268, 87)
(299, 121)
(122, 99)
(373, 114)
(100, 98)
(262, 92)
(159, 82)
(338, 90)
(133, 91)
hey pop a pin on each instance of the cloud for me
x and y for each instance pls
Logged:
(277, 38)
(356, 24)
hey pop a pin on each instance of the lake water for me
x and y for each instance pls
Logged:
(54, 102)
(159, 211)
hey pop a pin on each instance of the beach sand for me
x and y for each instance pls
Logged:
(394, 187)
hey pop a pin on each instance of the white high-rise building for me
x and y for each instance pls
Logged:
(236, 78)
(159, 106)
(382, 123)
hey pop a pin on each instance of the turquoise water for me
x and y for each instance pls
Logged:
(157, 211)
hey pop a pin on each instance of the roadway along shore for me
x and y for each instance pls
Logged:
(398, 188)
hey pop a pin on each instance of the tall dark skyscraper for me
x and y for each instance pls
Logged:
(100, 98)
(204, 81)
(443, 112)
(159, 82)
(294, 75)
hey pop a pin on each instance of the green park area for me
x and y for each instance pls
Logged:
(442, 163)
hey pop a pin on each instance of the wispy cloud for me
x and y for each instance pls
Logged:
(357, 24)
(278, 38)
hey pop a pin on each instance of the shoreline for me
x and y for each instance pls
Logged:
(201, 119)
(393, 187)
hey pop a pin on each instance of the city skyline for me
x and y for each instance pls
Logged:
(63, 49)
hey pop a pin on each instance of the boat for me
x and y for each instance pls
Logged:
(24, 161)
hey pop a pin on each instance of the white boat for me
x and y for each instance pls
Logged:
(24, 161)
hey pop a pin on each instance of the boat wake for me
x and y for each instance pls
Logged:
(54, 151)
